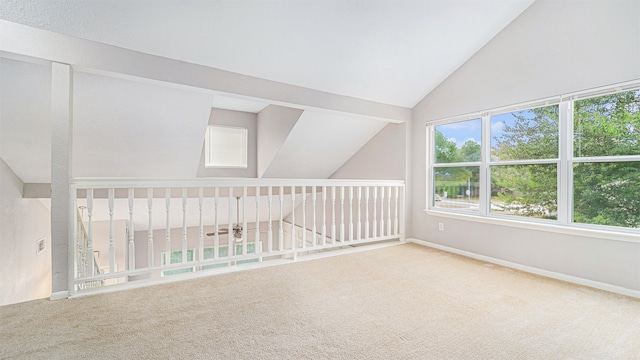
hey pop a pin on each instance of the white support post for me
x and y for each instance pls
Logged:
(112, 248)
(184, 225)
(270, 231)
(395, 221)
(366, 212)
(90, 258)
(375, 216)
(324, 215)
(314, 230)
(201, 225)
(381, 233)
(63, 199)
(150, 263)
(258, 243)
(132, 245)
(359, 232)
(389, 210)
(280, 221)
(293, 220)
(216, 225)
(167, 242)
(231, 248)
(350, 213)
(333, 214)
(304, 217)
(244, 221)
(341, 214)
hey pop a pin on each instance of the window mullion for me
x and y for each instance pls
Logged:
(485, 158)
(565, 137)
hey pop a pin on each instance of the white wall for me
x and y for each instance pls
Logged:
(554, 47)
(238, 119)
(24, 275)
(274, 125)
(383, 157)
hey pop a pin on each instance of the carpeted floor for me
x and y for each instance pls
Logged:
(401, 302)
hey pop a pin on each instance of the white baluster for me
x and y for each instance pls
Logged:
(281, 228)
(293, 219)
(90, 259)
(342, 214)
(359, 233)
(201, 238)
(375, 216)
(184, 225)
(389, 210)
(333, 214)
(216, 225)
(350, 213)
(132, 246)
(366, 213)
(270, 232)
(258, 243)
(395, 221)
(112, 248)
(244, 221)
(304, 217)
(232, 246)
(381, 233)
(324, 215)
(314, 230)
(150, 229)
(167, 242)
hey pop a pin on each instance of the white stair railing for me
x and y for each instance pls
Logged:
(211, 223)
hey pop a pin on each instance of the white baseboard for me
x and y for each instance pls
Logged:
(59, 295)
(533, 270)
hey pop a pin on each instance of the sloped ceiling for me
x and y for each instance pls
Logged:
(130, 129)
(317, 140)
(392, 52)
(25, 114)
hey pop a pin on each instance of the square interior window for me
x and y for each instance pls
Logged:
(226, 146)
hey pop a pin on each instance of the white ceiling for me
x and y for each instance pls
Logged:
(387, 51)
(317, 140)
(390, 51)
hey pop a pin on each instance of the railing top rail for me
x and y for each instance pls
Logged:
(85, 183)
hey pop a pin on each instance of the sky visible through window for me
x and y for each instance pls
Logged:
(461, 132)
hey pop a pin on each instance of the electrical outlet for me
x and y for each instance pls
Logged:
(441, 226)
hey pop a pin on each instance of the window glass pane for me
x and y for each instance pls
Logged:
(458, 142)
(524, 135)
(457, 187)
(607, 125)
(226, 146)
(607, 193)
(525, 190)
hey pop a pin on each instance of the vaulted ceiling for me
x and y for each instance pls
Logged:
(390, 52)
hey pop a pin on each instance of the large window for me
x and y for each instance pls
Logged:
(456, 170)
(524, 162)
(606, 166)
(577, 166)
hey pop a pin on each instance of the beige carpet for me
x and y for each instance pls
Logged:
(402, 302)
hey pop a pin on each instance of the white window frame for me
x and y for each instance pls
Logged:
(565, 161)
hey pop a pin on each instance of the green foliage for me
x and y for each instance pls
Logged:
(528, 190)
(607, 193)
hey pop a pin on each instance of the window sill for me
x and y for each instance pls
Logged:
(632, 235)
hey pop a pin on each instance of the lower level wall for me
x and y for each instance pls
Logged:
(24, 274)
(608, 264)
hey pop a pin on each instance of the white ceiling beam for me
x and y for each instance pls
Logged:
(97, 57)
